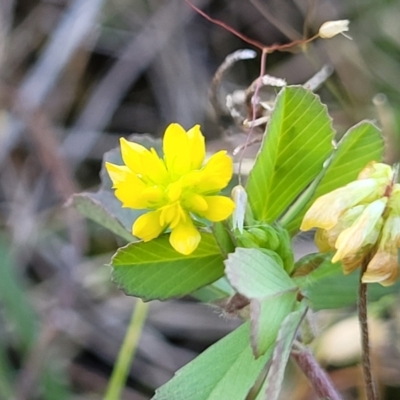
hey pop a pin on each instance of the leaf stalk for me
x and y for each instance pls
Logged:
(127, 351)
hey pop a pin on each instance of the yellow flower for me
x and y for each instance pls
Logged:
(384, 267)
(361, 220)
(363, 232)
(327, 209)
(175, 188)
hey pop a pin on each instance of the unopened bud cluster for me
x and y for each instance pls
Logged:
(361, 222)
(249, 233)
(271, 239)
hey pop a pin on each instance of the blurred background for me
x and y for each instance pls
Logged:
(74, 77)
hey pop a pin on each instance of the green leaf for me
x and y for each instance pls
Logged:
(154, 270)
(218, 290)
(266, 317)
(223, 238)
(360, 145)
(297, 142)
(326, 287)
(306, 268)
(257, 275)
(226, 370)
(287, 333)
(102, 208)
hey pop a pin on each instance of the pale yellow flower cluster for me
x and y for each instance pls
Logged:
(175, 189)
(361, 221)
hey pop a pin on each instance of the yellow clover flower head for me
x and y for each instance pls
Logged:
(173, 189)
(361, 218)
(383, 267)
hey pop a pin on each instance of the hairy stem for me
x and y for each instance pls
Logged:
(318, 378)
(127, 351)
(365, 355)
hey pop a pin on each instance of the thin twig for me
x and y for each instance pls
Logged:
(221, 111)
(254, 108)
(222, 24)
(255, 43)
(363, 319)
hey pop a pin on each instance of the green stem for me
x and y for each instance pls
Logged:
(127, 351)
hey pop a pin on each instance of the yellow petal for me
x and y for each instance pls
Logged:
(215, 175)
(363, 232)
(174, 191)
(322, 241)
(383, 268)
(176, 149)
(390, 240)
(195, 203)
(197, 147)
(118, 173)
(219, 208)
(128, 187)
(394, 200)
(353, 261)
(147, 226)
(326, 210)
(185, 237)
(192, 179)
(144, 162)
(346, 220)
(377, 171)
(171, 215)
(153, 196)
(132, 155)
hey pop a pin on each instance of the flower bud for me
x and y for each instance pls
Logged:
(330, 29)
(239, 197)
(267, 236)
(247, 240)
(260, 235)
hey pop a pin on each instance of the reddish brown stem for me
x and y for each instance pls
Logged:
(226, 27)
(317, 377)
(255, 43)
(365, 353)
